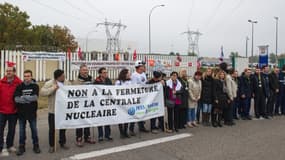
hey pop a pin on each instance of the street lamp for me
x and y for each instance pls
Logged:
(246, 46)
(86, 45)
(276, 49)
(252, 30)
(149, 38)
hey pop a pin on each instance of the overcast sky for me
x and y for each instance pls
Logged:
(222, 22)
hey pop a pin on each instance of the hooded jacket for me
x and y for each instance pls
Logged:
(7, 89)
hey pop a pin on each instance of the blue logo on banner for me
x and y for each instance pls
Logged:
(132, 111)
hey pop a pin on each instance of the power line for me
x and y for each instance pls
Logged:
(213, 15)
(56, 10)
(95, 8)
(190, 13)
(79, 9)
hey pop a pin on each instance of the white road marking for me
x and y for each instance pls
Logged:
(127, 147)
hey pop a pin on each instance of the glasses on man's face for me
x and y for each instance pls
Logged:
(141, 63)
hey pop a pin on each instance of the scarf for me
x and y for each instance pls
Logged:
(169, 83)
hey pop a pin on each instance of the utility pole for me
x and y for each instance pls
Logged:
(193, 39)
(113, 41)
(246, 47)
(276, 49)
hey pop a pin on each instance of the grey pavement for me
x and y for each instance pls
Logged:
(247, 140)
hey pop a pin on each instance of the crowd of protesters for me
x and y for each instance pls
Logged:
(219, 95)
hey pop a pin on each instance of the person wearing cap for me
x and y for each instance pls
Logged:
(49, 90)
(103, 79)
(83, 79)
(157, 77)
(183, 110)
(195, 88)
(8, 110)
(26, 98)
(138, 77)
(258, 83)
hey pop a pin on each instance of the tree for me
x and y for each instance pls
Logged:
(15, 30)
(272, 58)
(234, 54)
(14, 26)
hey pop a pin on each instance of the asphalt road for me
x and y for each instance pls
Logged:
(247, 140)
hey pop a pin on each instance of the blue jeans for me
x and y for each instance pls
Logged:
(207, 108)
(12, 121)
(107, 130)
(34, 131)
(236, 108)
(191, 114)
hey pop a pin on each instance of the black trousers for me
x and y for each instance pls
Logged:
(173, 117)
(81, 131)
(182, 117)
(123, 128)
(51, 124)
(259, 104)
(271, 103)
(228, 112)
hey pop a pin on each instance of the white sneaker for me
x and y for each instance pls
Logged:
(12, 149)
(261, 118)
(190, 125)
(4, 153)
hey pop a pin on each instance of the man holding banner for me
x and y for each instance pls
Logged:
(139, 77)
(104, 80)
(83, 79)
(49, 89)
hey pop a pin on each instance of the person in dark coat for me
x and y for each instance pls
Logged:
(184, 99)
(157, 77)
(282, 90)
(245, 94)
(259, 94)
(265, 75)
(221, 98)
(207, 96)
(26, 98)
(274, 90)
(173, 93)
(103, 80)
(275, 85)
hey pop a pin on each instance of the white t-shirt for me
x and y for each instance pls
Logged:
(121, 83)
(138, 78)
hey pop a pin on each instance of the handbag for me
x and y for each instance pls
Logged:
(169, 103)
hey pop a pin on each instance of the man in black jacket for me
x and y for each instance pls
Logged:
(157, 77)
(104, 80)
(274, 90)
(246, 94)
(26, 98)
(259, 93)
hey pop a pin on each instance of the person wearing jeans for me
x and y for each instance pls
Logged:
(195, 87)
(26, 98)
(49, 89)
(207, 96)
(8, 111)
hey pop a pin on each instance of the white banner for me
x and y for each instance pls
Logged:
(99, 105)
(95, 65)
(27, 56)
